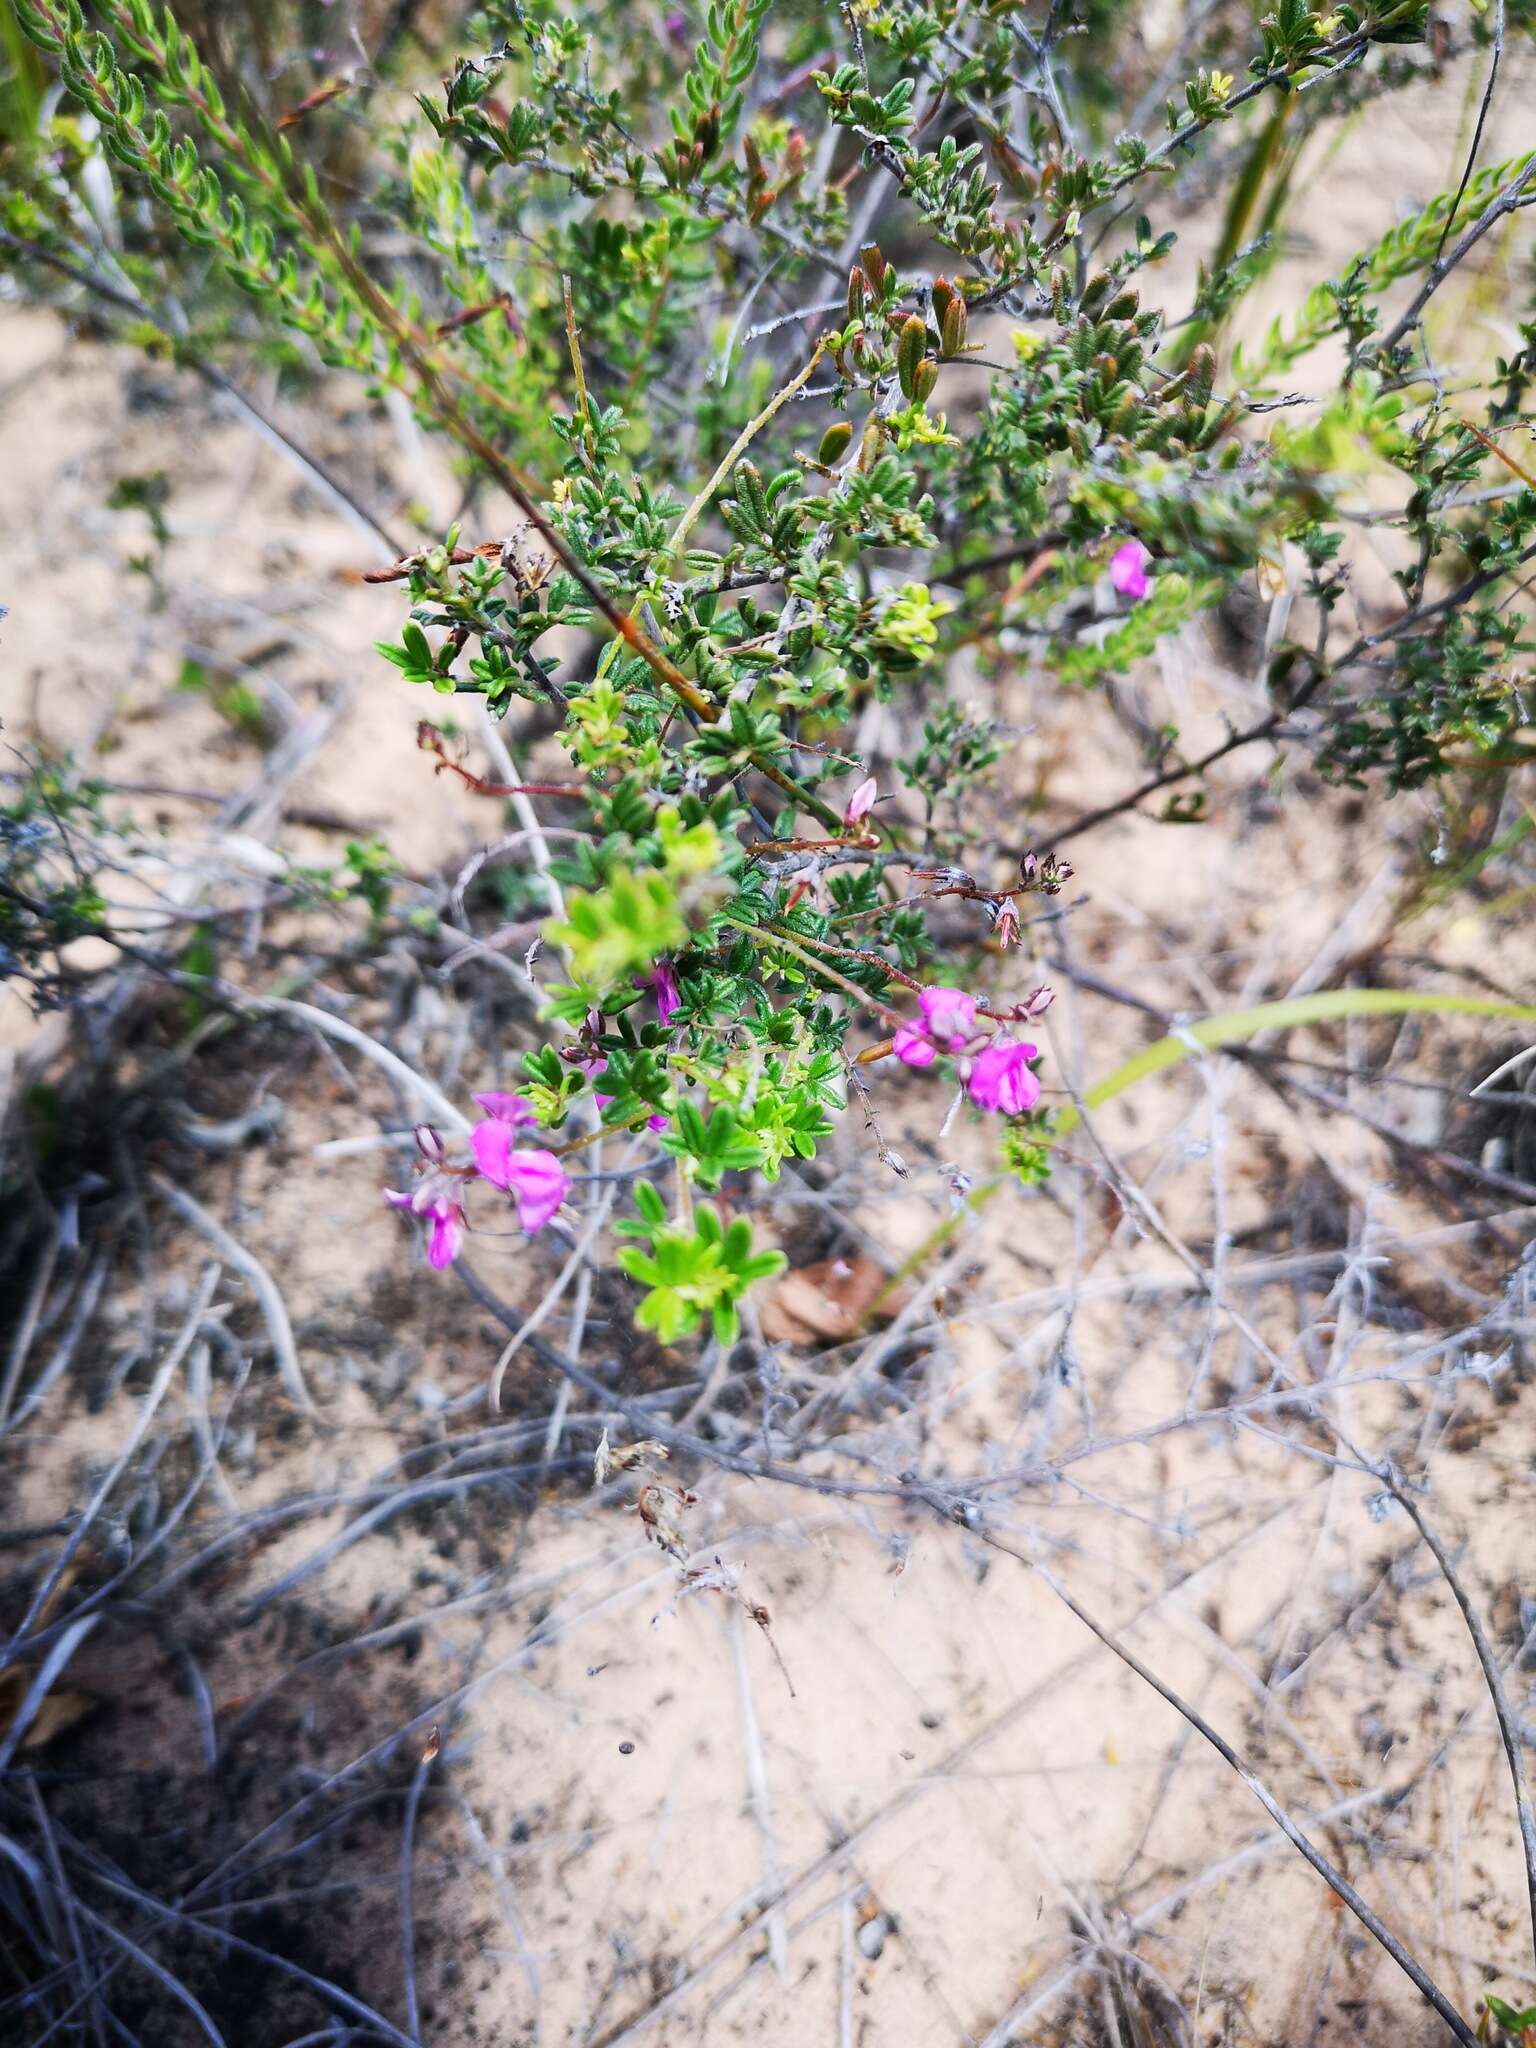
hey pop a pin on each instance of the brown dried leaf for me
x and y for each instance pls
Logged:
(829, 1302)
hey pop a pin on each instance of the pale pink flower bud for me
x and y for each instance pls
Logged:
(862, 802)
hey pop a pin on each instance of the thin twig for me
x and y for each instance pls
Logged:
(268, 1294)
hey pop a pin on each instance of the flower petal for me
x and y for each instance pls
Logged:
(862, 802)
(491, 1143)
(1128, 570)
(507, 1109)
(949, 1016)
(540, 1183)
(912, 1048)
(447, 1235)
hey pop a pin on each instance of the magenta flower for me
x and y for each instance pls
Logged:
(1128, 570)
(434, 1200)
(947, 1022)
(663, 986)
(949, 1017)
(536, 1179)
(1000, 1078)
(861, 803)
(435, 1197)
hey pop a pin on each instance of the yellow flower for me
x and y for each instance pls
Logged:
(1221, 85)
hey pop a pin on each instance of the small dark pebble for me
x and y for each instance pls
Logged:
(626, 1749)
(931, 1720)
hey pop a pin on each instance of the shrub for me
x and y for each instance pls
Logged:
(809, 345)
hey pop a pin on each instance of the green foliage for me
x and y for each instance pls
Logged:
(1512, 2025)
(693, 1271)
(614, 932)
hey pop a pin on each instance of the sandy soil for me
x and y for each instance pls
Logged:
(967, 1822)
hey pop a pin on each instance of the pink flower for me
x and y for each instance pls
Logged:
(537, 1179)
(947, 1023)
(432, 1200)
(436, 1197)
(1128, 570)
(861, 803)
(1000, 1078)
(949, 1017)
(663, 986)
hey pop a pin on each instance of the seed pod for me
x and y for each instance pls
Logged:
(924, 379)
(858, 294)
(954, 325)
(1123, 306)
(909, 352)
(834, 442)
(874, 264)
(943, 292)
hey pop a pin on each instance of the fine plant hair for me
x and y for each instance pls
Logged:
(788, 357)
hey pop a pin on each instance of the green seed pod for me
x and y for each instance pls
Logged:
(834, 442)
(953, 327)
(858, 294)
(924, 379)
(1123, 306)
(909, 352)
(943, 293)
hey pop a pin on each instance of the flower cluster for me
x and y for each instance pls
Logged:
(997, 1072)
(536, 1181)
